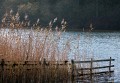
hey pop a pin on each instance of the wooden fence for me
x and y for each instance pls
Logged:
(91, 71)
(34, 71)
(78, 71)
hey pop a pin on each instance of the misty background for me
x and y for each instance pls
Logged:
(103, 14)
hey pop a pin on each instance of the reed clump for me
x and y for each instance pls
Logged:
(33, 55)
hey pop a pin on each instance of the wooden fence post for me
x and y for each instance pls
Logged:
(44, 70)
(44, 63)
(25, 70)
(72, 78)
(66, 65)
(2, 65)
(91, 66)
(82, 76)
(110, 66)
(13, 72)
(66, 62)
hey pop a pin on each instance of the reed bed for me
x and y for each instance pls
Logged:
(18, 45)
(36, 44)
(31, 45)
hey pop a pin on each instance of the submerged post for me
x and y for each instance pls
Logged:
(72, 72)
(110, 66)
(44, 70)
(2, 66)
(91, 66)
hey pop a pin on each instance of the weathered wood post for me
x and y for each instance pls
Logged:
(44, 63)
(2, 66)
(66, 62)
(110, 66)
(91, 66)
(44, 70)
(13, 74)
(66, 74)
(82, 76)
(72, 72)
(25, 71)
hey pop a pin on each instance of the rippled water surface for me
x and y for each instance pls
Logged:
(99, 45)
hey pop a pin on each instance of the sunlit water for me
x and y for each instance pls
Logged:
(98, 45)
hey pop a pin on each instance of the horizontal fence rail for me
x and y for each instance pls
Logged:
(94, 61)
(95, 67)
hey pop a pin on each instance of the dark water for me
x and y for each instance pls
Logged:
(98, 45)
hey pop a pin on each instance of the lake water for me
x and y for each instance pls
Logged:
(98, 45)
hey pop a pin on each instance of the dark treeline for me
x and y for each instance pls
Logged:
(103, 14)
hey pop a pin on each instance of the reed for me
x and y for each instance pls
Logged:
(33, 45)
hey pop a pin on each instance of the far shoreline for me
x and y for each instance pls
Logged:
(80, 30)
